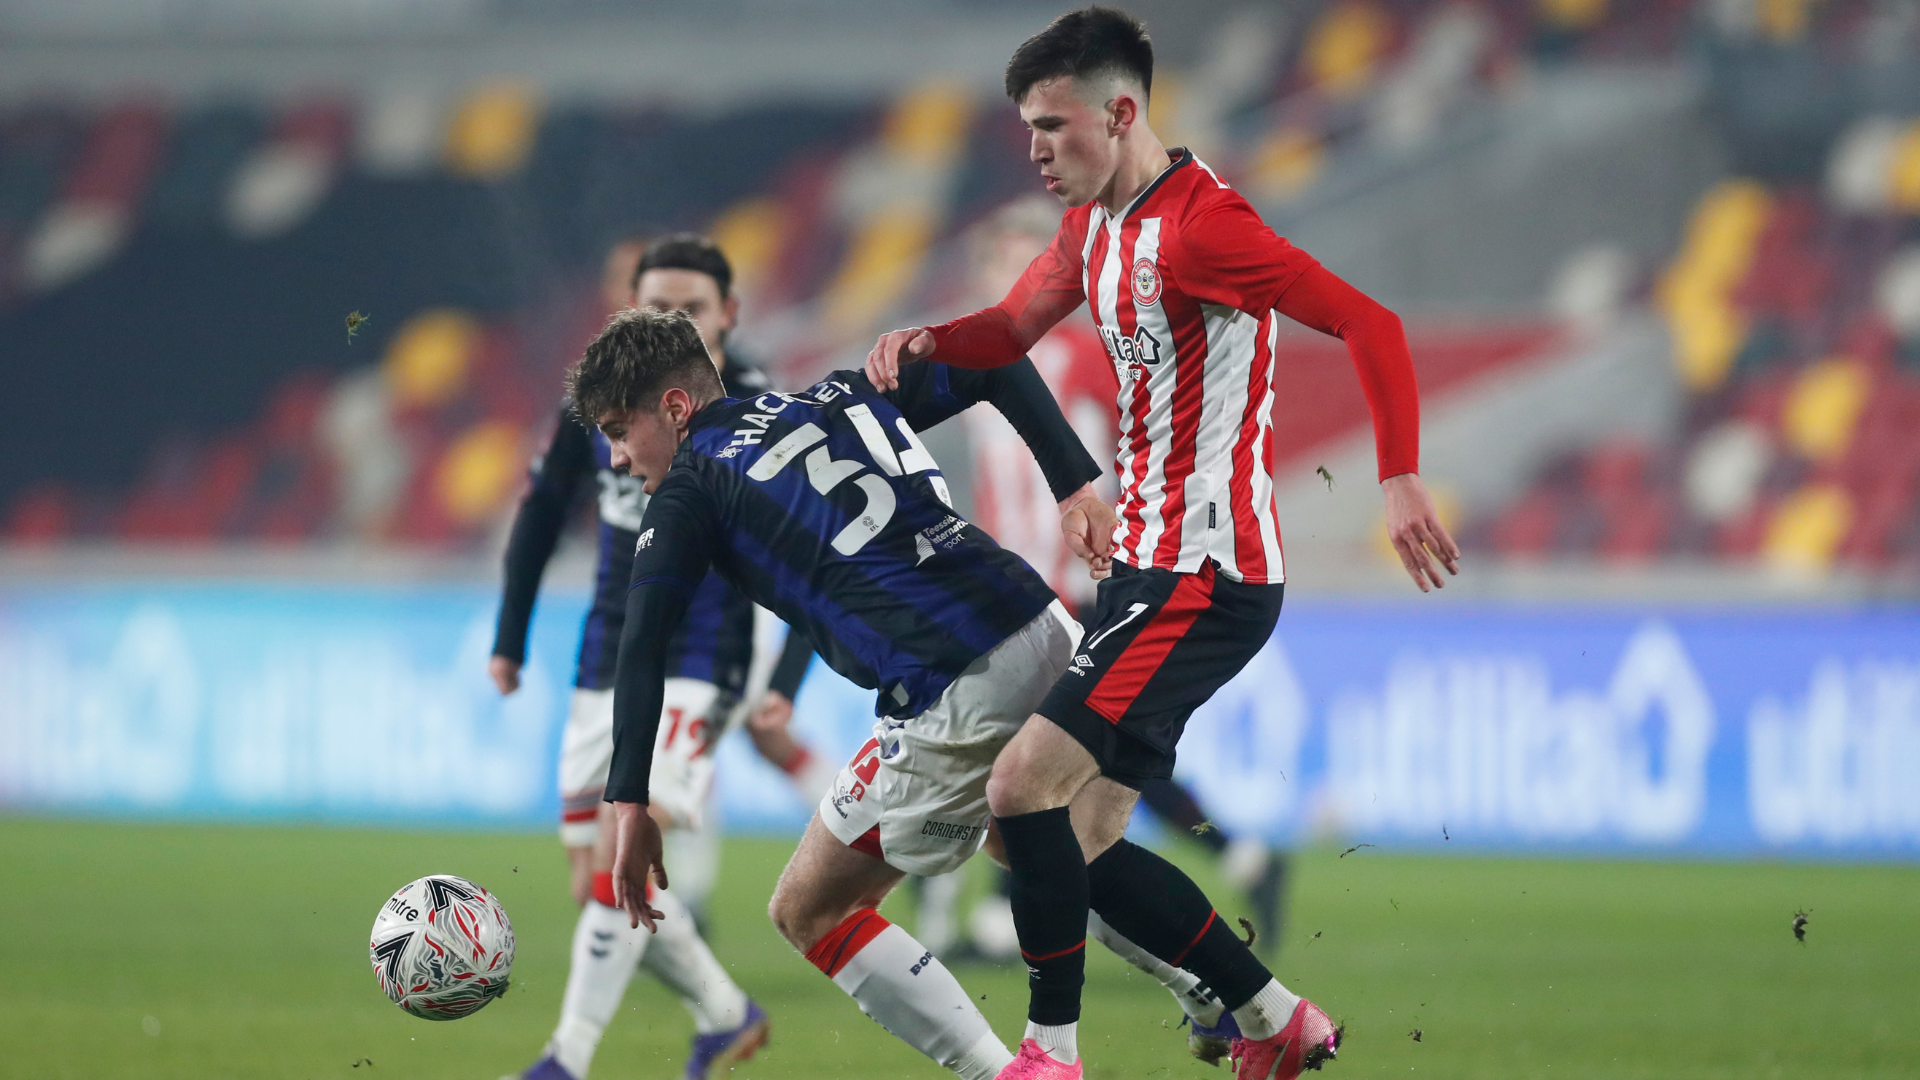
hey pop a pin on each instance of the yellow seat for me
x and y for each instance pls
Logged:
(478, 472)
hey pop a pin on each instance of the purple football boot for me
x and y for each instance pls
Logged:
(715, 1055)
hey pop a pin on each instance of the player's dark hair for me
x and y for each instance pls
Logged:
(640, 355)
(1086, 44)
(686, 251)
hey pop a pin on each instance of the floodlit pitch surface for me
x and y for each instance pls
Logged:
(160, 951)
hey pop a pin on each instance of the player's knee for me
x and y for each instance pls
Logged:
(790, 921)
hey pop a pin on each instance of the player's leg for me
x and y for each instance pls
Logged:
(1045, 766)
(1034, 781)
(914, 800)
(1199, 1002)
(586, 744)
(1141, 895)
(825, 906)
(605, 948)
(728, 1027)
(1245, 861)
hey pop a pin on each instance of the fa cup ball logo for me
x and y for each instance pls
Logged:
(1146, 282)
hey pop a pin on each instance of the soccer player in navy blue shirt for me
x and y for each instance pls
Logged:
(825, 507)
(709, 653)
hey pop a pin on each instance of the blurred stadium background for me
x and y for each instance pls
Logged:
(1660, 267)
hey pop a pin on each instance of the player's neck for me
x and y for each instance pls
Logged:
(1143, 158)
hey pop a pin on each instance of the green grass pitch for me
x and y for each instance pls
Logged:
(162, 951)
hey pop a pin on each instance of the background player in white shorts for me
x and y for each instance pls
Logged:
(715, 670)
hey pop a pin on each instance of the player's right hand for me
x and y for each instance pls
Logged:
(636, 853)
(894, 348)
(1087, 522)
(506, 674)
(774, 712)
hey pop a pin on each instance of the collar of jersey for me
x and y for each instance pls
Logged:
(1181, 156)
(709, 414)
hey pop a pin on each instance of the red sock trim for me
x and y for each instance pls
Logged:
(799, 760)
(1063, 952)
(603, 887)
(1204, 927)
(844, 942)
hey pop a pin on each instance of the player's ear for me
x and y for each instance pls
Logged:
(1122, 113)
(731, 305)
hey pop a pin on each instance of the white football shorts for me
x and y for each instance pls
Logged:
(915, 794)
(682, 773)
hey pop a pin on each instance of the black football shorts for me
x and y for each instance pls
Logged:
(1159, 644)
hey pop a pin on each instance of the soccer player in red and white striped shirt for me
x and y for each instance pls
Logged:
(1184, 282)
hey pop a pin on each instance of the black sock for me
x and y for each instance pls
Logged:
(1048, 891)
(1151, 903)
(1175, 805)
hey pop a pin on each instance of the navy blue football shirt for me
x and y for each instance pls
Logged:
(825, 507)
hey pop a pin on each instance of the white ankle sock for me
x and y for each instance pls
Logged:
(1199, 1002)
(1268, 1012)
(679, 957)
(907, 990)
(1058, 1040)
(605, 950)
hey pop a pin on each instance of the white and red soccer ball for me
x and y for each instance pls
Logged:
(442, 947)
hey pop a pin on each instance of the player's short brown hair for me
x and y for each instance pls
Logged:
(640, 355)
(1087, 44)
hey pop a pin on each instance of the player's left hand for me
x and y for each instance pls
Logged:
(636, 852)
(1414, 527)
(1088, 522)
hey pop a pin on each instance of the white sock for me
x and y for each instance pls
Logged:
(679, 957)
(1196, 999)
(935, 919)
(605, 950)
(1058, 1040)
(1268, 1012)
(900, 984)
(693, 859)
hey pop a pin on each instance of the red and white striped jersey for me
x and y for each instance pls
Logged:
(1181, 285)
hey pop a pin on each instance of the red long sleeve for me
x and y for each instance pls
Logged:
(1378, 345)
(1046, 293)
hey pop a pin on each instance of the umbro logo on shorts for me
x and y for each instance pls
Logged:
(1080, 664)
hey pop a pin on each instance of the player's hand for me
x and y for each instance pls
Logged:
(506, 674)
(1087, 523)
(896, 347)
(773, 713)
(1416, 532)
(636, 852)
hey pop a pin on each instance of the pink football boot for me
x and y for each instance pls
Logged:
(1309, 1041)
(1033, 1063)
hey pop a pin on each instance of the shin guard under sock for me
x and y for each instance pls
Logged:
(1049, 897)
(1157, 907)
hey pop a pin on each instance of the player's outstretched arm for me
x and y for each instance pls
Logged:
(676, 539)
(554, 480)
(1378, 345)
(999, 335)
